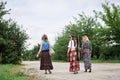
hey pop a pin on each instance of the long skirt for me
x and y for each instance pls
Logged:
(74, 63)
(87, 59)
(45, 63)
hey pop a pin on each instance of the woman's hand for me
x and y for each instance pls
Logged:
(37, 55)
(68, 58)
(68, 54)
(90, 52)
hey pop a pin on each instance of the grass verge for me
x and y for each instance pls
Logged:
(11, 72)
(94, 61)
(106, 61)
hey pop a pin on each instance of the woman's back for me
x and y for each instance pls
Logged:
(45, 45)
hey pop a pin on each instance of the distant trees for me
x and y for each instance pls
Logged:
(111, 18)
(12, 39)
(30, 55)
(103, 30)
(83, 26)
(105, 38)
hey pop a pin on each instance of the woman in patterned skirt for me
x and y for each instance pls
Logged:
(45, 63)
(72, 55)
(87, 47)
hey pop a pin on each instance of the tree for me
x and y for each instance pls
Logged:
(12, 38)
(34, 52)
(83, 25)
(60, 48)
(111, 18)
(2, 10)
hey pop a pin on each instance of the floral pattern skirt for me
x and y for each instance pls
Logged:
(74, 63)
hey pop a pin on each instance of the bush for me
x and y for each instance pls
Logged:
(12, 39)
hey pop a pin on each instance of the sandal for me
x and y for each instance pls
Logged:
(50, 72)
(45, 72)
(75, 72)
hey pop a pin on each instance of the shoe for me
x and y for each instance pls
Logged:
(50, 72)
(85, 70)
(45, 72)
(76, 72)
(90, 70)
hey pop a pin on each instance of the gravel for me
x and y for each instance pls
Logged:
(100, 71)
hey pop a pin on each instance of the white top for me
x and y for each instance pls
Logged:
(71, 45)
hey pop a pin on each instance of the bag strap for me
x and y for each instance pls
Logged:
(84, 46)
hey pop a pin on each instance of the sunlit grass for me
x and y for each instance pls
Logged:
(105, 61)
(94, 61)
(11, 72)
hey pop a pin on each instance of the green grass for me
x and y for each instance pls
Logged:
(105, 61)
(11, 72)
(94, 61)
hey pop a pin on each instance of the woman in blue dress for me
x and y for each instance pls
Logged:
(45, 62)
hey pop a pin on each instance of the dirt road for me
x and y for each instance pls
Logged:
(100, 71)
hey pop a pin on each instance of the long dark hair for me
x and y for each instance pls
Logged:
(73, 40)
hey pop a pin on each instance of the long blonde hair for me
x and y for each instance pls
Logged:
(85, 38)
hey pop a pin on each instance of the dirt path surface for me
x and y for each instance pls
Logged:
(100, 71)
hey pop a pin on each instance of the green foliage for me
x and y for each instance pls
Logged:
(31, 54)
(2, 9)
(111, 35)
(14, 44)
(111, 17)
(27, 55)
(60, 48)
(105, 38)
(112, 52)
(34, 52)
(84, 25)
(12, 39)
